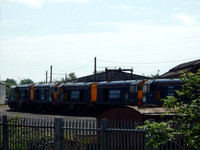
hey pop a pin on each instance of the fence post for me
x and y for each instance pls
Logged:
(5, 132)
(58, 134)
(104, 135)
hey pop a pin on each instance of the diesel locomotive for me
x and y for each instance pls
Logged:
(90, 98)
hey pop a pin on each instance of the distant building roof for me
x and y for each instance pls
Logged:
(111, 76)
(192, 66)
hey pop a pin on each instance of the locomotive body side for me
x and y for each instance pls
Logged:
(117, 93)
(20, 97)
(45, 96)
(91, 98)
(158, 89)
(76, 97)
(14, 98)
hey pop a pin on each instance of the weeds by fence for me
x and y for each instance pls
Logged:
(26, 133)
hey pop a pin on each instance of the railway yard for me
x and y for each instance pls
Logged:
(5, 110)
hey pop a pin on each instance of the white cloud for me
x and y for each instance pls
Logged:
(144, 9)
(130, 43)
(139, 13)
(40, 3)
(73, 1)
(32, 3)
(185, 19)
(122, 7)
(7, 23)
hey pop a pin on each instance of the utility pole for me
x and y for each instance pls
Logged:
(51, 74)
(65, 77)
(46, 76)
(95, 68)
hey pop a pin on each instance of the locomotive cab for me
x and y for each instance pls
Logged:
(45, 95)
(158, 89)
(24, 94)
(76, 96)
(14, 97)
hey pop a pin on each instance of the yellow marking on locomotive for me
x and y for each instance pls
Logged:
(32, 92)
(94, 92)
(140, 89)
(65, 98)
(55, 94)
(140, 94)
(158, 95)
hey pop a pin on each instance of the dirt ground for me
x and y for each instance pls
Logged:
(5, 110)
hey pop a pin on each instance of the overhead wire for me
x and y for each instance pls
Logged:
(74, 69)
(147, 63)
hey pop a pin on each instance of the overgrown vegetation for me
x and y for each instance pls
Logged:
(9, 82)
(188, 113)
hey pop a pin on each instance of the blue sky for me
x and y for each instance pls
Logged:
(146, 35)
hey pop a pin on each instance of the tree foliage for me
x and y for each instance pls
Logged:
(71, 77)
(187, 112)
(158, 133)
(9, 82)
(153, 76)
(27, 81)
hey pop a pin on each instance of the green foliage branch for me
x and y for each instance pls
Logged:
(187, 112)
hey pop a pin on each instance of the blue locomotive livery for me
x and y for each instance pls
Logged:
(90, 98)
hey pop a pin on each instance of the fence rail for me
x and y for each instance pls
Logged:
(18, 133)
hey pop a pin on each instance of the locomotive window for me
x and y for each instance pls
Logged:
(12, 93)
(133, 88)
(75, 94)
(170, 91)
(145, 88)
(47, 95)
(42, 94)
(114, 94)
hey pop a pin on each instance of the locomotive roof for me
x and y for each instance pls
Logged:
(14, 86)
(45, 85)
(78, 84)
(62, 84)
(24, 85)
(162, 81)
(167, 80)
(120, 82)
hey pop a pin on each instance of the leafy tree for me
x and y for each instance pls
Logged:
(41, 82)
(71, 77)
(27, 81)
(154, 76)
(59, 81)
(186, 113)
(99, 71)
(9, 82)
